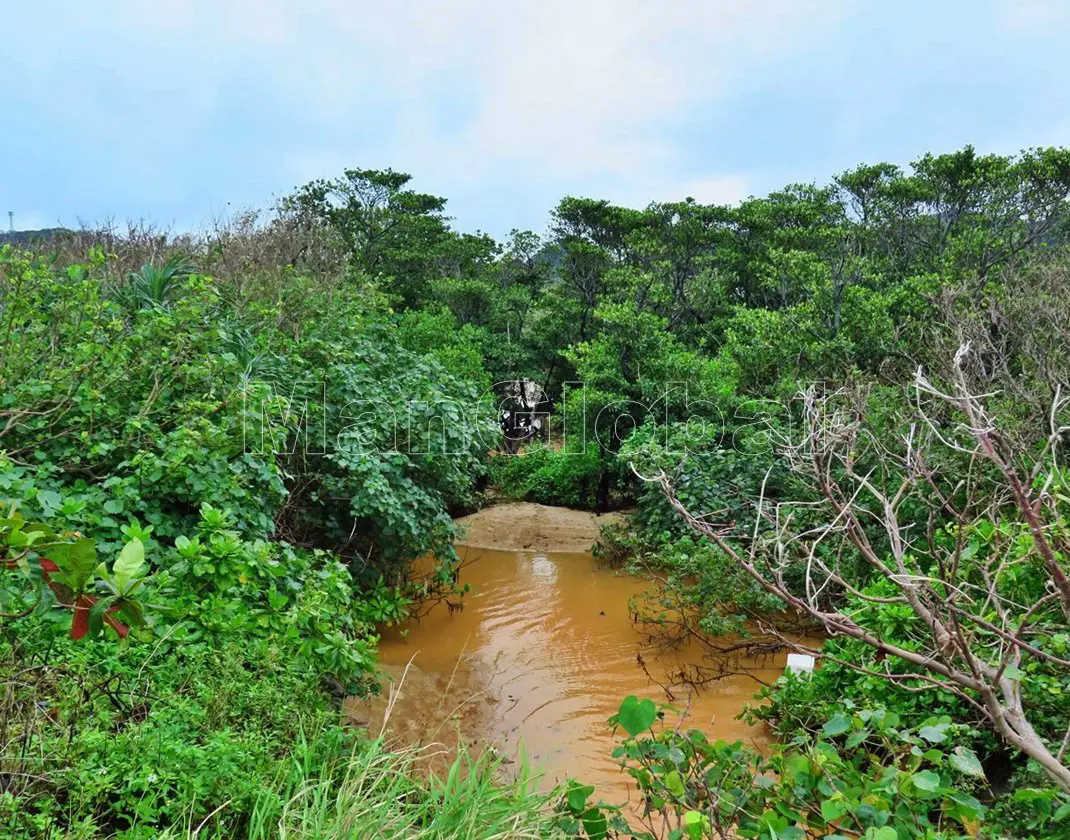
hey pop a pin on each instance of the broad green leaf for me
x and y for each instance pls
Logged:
(926, 780)
(856, 738)
(96, 616)
(577, 796)
(837, 725)
(594, 823)
(636, 715)
(40, 531)
(129, 565)
(76, 562)
(934, 734)
(49, 500)
(833, 809)
(966, 806)
(797, 765)
(674, 783)
(965, 761)
(693, 823)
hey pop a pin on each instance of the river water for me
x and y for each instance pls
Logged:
(542, 653)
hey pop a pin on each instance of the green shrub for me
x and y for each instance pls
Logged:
(861, 775)
(135, 740)
(547, 476)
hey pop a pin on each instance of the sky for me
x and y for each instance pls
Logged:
(180, 112)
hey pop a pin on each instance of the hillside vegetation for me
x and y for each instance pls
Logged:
(839, 410)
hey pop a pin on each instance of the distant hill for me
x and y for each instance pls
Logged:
(31, 237)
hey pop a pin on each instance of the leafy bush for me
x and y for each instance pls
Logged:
(102, 740)
(102, 737)
(549, 477)
(861, 775)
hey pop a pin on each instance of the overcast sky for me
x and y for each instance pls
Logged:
(178, 110)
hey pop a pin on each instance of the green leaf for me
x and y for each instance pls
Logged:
(693, 823)
(49, 500)
(636, 715)
(674, 783)
(965, 761)
(965, 807)
(1012, 672)
(96, 616)
(276, 600)
(856, 738)
(934, 734)
(130, 565)
(594, 823)
(796, 765)
(577, 796)
(837, 725)
(38, 532)
(926, 780)
(833, 809)
(76, 561)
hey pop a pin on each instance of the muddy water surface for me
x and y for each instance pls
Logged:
(541, 654)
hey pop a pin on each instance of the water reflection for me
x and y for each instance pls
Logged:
(543, 568)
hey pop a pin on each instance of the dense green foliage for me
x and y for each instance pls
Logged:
(159, 410)
(220, 455)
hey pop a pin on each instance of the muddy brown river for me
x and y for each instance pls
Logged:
(541, 655)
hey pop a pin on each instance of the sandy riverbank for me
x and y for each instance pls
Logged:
(522, 526)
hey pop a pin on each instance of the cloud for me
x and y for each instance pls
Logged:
(562, 89)
(534, 100)
(1032, 15)
(589, 87)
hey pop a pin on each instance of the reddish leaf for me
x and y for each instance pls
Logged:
(80, 625)
(116, 625)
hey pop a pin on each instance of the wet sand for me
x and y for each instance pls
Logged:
(523, 526)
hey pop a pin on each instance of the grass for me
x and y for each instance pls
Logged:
(380, 791)
(377, 792)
